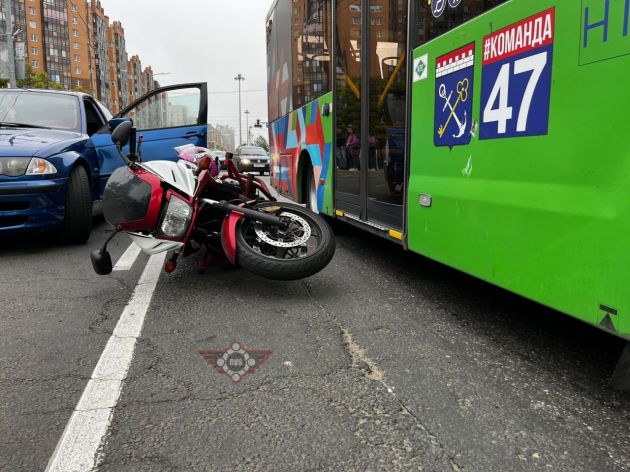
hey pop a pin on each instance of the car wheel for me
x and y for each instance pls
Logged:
(77, 223)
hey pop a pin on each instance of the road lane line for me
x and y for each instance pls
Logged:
(128, 258)
(86, 430)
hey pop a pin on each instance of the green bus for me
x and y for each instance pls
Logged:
(485, 134)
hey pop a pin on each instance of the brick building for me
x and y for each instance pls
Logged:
(75, 43)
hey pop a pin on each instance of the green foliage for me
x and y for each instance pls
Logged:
(80, 89)
(38, 81)
(4, 83)
(260, 141)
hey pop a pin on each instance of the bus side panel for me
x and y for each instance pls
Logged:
(540, 210)
(304, 130)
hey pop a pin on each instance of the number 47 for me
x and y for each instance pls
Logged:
(535, 64)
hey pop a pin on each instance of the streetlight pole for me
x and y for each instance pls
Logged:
(247, 124)
(240, 79)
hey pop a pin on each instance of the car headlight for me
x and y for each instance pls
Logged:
(14, 166)
(176, 219)
(246, 162)
(40, 167)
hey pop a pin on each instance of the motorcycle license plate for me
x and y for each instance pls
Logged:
(259, 165)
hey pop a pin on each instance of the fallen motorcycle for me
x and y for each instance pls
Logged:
(180, 208)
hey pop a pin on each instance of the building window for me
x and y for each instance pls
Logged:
(75, 21)
(35, 51)
(77, 58)
(74, 7)
(32, 24)
(31, 10)
(78, 83)
(75, 33)
(33, 37)
(76, 45)
(77, 70)
(35, 64)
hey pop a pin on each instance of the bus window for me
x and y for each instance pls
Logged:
(312, 32)
(272, 66)
(348, 99)
(430, 24)
(388, 96)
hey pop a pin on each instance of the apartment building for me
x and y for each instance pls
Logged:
(118, 60)
(100, 50)
(75, 43)
(134, 81)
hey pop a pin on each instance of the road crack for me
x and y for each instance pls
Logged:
(362, 362)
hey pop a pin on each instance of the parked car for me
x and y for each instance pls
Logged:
(251, 159)
(220, 154)
(56, 152)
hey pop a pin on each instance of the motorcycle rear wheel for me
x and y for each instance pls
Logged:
(266, 252)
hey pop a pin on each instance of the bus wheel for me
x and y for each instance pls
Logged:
(311, 191)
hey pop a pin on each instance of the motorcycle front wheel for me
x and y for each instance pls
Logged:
(299, 251)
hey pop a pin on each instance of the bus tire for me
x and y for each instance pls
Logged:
(311, 190)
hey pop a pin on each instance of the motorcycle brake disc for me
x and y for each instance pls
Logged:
(272, 239)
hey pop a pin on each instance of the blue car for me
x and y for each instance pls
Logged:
(56, 151)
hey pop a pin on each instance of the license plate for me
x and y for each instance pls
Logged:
(259, 165)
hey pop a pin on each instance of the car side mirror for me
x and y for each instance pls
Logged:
(122, 133)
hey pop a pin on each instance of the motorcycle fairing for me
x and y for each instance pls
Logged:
(150, 245)
(228, 235)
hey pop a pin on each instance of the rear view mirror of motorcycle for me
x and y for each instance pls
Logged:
(122, 133)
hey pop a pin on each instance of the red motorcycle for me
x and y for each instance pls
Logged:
(179, 207)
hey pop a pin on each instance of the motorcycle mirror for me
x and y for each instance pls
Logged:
(101, 262)
(122, 133)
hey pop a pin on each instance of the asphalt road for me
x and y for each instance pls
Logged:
(383, 361)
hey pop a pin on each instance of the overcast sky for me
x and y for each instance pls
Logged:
(202, 41)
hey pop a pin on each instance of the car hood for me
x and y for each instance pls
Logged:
(28, 142)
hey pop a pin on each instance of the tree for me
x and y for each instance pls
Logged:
(38, 80)
(260, 141)
(4, 83)
(80, 89)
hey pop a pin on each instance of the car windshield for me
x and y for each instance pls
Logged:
(40, 109)
(253, 152)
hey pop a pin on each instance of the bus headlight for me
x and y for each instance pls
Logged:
(176, 219)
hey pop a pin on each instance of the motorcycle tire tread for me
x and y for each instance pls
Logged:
(290, 269)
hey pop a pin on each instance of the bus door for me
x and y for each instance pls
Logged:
(371, 114)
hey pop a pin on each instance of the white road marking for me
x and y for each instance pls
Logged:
(86, 430)
(128, 258)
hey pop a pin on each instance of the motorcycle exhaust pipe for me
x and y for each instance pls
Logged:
(255, 215)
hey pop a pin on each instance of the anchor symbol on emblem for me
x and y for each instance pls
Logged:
(462, 97)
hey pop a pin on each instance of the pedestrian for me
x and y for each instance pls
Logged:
(353, 145)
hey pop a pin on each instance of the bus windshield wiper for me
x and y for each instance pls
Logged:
(21, 125)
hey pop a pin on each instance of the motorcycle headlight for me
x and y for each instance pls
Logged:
(40, 167)
(176, 219)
